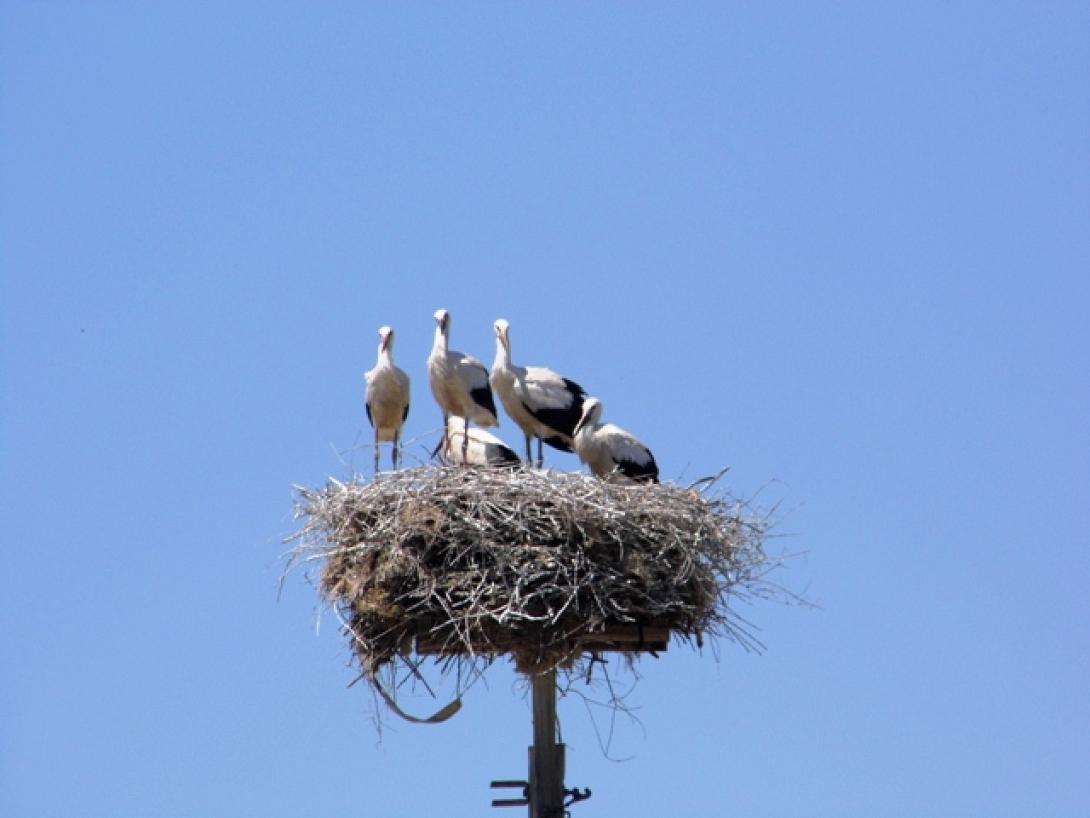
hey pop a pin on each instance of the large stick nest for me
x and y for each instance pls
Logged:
(473, 563)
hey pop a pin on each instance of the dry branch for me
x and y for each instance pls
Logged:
(470, 564)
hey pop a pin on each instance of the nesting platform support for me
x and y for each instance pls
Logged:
(651, 639)
(549, 569)
(546, 788)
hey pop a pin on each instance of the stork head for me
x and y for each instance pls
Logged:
(592, 410)
(502, 328)
(442, 319)
(385, 339)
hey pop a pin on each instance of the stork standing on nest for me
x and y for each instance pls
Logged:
(609, 450)
(387, 399)
(545, 405)
(459, 383)
(483, 448)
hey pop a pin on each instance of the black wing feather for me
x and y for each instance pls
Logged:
(646, 472)
(563, 419)
(370, 419)
(501, 456)
(557, 443)
(482, 396)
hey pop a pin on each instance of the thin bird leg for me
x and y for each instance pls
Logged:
(376, 451)
(442, 440)
(441, 446)
(395, 450)
(540, 455)
(465, 441)
(529, 452)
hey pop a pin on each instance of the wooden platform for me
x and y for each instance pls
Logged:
(627, 638)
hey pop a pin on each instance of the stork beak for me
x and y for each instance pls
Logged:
(385, 344)
(582, 422)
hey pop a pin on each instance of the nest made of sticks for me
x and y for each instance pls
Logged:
(476, 563)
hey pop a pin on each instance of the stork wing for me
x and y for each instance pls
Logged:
(403, 379)
(472, 372)
(481, 448)
(557, 442)
(369, 396)
(501, 456)
(474, 375)
(648, 471)
(482, 396)
(496, 452)
(632, 458)
(554, 401)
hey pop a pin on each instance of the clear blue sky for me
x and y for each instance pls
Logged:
(842, 247)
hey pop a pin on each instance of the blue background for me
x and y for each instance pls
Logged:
(842, 248)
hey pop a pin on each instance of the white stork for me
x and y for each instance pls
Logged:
(459, 383)
(609, 450)
(482, 449)
(387, 397)
(543, 404)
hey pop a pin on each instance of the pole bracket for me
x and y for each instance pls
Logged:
(511, 785)
(574, 795)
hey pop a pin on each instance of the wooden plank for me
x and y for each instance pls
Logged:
(621, 647)
(627, 638)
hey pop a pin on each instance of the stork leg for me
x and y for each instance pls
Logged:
(376, 451)
(442, 447)
(465, 441)
(529, 452)
(540, 455)
(395, 450)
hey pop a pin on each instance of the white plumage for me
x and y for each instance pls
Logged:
(387, 399)
(544, 404)
(459, 381)
(463, 446)
(609, 450)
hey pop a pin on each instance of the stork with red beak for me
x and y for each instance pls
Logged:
(459, 383)
(483, 449)
(545, 405)
(387, 400)
(609, 451)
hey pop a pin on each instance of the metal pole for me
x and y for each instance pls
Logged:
(546, 756)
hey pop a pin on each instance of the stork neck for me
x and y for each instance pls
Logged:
(503, 358)
(590, 423)
(440, 344)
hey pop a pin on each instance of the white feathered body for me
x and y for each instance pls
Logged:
(482, 449)
(387, 398)
(609, 451)
(542, 403)
(460, 385)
